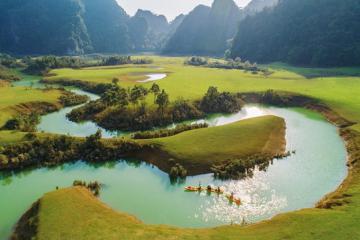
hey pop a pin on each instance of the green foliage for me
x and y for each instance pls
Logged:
(228, 64)
(116, 60)
(162, 100)
(138, 93)
(116, 95)
(177, 171)
(54, 150)
(241, 168)
(94, 187)
(168, 132)
(155, 89)
(42, 65)
(182, 109)
(215, 102)
(23, 122)
(315, 33)
(6, 74)
(86, 112)
(72, 99)
(196, 61)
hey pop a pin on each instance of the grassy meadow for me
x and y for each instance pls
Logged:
(13, 97)
(202, 148)
(338, 87)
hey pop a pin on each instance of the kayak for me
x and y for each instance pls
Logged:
(200, 189)
(235, 200)
(193, 189)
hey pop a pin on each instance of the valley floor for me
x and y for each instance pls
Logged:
(74, 214)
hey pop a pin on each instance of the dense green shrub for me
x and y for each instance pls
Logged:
(196, 61)
(168, 132)
(23, 122)
(177, 171)
(94, 187)
(240, 168)
(60, 149)
(72, 99)
(215, 102)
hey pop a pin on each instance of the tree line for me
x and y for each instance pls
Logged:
(128, 109)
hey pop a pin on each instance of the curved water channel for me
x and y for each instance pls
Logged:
(295, 182)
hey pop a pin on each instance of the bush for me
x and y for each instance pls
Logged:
(72, 99)
(94, 187)
(23, 122)
(196, 61)
(177, 171)
(215, 102)
(168, 132)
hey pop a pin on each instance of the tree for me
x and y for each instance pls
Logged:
(155, 89)
(138, 93)
(115, 96)
(115, 81)
(162, 100)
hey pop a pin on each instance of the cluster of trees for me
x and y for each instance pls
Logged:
(43, 64)
(6, 74)
(196, 61)
(229, 63)
(6, 63)
(275, 98)
(23, 122)
(60, 149)
(72, 99)
(127, 109)
(177, 172)
(94, 187)
(122, 60)
(216, 102)
(307, 32)
(241, 168)
(168, 132)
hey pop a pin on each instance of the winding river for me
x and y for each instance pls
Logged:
(298, 181)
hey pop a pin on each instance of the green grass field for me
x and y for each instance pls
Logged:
(339, 89)
(200, 149)
(12, 97)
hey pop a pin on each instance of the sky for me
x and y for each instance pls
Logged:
(169, 8)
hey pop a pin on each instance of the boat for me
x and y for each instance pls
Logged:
(200, 189)
(233, 199)
(193, 189)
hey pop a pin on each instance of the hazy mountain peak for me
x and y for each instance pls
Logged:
(258, 5)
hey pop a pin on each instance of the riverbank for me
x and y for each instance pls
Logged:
(201, 150)
(252, 142)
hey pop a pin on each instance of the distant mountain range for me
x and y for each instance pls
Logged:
(206, 30)
(302, 32)
(306, 32)
(87, 26)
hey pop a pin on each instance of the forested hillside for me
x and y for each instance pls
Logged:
(41, 27)
(148, 30)
(206, 31)
(306, 32)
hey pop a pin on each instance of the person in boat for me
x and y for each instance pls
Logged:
(232, 196)
(218, 189)
(199, 188)
(209, 188)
